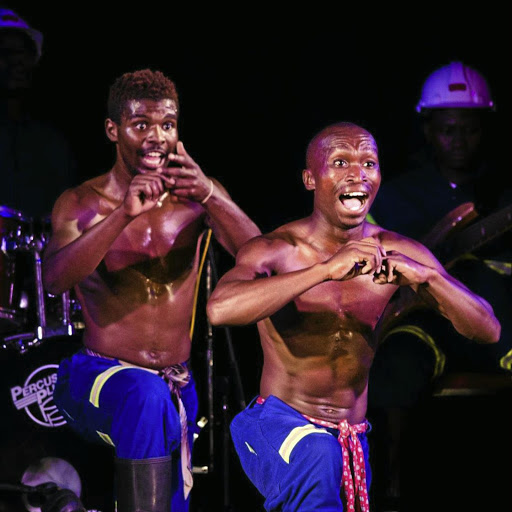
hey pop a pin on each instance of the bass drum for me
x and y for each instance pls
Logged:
(33, 428)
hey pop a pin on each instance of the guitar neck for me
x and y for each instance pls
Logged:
(476, 235)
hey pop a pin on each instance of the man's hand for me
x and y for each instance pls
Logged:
(186, 179)
(400, 270)
(356, 258)
(145, 191)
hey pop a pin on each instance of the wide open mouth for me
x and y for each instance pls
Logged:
(354, 201)
(153, 159)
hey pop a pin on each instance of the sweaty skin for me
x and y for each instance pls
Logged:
(129, 240)
(317, 287)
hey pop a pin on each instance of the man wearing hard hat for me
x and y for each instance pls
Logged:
(35, 162)
(37, 159)
(453, 199)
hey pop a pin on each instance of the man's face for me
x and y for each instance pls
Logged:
(345, 175)
(147, 134)
(17, 59)
(455, 135)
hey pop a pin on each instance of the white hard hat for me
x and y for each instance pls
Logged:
(10, 20)
(455, 86)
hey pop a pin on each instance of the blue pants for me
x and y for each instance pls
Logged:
(129, 408)
(304, 476)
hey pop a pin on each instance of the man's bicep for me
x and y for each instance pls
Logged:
(253, 261)
(65, 222)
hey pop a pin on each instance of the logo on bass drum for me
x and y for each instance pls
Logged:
(36, 397)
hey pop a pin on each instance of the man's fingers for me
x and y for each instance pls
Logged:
(180, 149)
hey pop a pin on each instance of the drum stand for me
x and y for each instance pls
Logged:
(23, 341)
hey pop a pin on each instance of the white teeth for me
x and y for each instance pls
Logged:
(355, 194)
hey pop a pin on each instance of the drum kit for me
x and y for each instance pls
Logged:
(37, 331)
(29, 315)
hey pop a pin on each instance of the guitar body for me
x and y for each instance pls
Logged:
(457, 233)
(454, 221)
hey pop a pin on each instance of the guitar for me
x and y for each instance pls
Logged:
(454, 235)
(456, 242)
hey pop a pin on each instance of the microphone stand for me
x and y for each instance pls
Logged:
(222, 385)
(209, 370)
(232, 357)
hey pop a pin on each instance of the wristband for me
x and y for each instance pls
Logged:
(209, 193)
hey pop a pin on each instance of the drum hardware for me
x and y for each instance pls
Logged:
(25, 340)
(46, 497)
(43, 330)
(21, 342)
(15, 231)
(200, 470)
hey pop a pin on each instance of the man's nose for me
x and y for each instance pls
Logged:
(356, 173)
(460, 138)
(156, 133)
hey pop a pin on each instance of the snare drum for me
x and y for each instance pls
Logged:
(16, 237)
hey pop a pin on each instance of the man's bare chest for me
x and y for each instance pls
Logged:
(156, 242)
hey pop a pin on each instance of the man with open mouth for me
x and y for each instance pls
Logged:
(316, 287)
(130, 242)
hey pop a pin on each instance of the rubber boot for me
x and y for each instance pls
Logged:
(143, 485)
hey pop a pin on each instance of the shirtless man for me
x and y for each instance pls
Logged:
(130, 243)
(316, 288)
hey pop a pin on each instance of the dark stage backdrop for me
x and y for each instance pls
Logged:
(255, 84)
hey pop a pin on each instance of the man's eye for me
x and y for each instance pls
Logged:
(141, 126)
(168, 126)
(339, 162)
(370, 163)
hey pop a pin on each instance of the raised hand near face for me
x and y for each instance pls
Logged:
(187, 180)
(179, 179)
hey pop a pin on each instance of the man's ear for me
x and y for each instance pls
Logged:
(308, 179)
(111, 130)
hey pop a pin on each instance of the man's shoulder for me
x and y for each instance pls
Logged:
(84, 196)
(393, 240)
(282, 237)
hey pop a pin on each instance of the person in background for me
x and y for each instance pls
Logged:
(130, 241)
(316, 288)
(38, 161)
(451, 197)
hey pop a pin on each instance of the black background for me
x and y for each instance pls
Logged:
(255, 83)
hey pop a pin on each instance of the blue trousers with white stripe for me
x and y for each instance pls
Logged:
(294, 471)
(127, 407)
